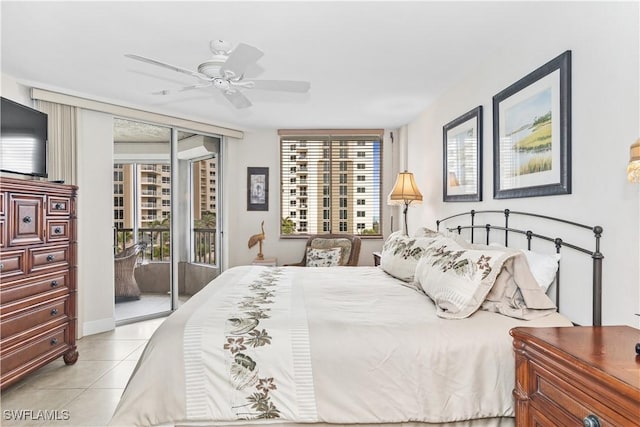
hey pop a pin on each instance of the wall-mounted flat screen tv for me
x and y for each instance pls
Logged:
(23, 139)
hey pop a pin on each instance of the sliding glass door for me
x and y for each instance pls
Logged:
(166, 200)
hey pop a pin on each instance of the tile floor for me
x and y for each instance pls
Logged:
(84, 394)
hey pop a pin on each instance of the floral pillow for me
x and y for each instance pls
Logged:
(340, 242)
(426, 232)
(401, 253)
(458, 279)
(323, 257)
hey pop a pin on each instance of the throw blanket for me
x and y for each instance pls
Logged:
(338, 345)
(516, 293)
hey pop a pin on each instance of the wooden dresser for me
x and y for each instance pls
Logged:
(576, 376)
(37, 276)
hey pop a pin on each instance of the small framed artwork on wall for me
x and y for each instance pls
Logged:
(532, 133)
(462, 163)
(257, 189)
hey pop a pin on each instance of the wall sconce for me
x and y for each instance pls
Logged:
(633, 170)
(405, 191)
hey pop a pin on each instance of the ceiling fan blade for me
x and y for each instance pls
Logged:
(167, 91)
(200, 86)
(241, 58)
(237, 98)
(169, 66)
(283, 85)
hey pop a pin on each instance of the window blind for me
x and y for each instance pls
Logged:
(331, 183)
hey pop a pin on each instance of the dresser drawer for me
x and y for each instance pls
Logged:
(560, 400)
(57, 230)
(50, 257)
(43, 346)
(57, 205)
(26, 219)
(568, 376)
(12, 263)
(3, 231)
(40, 285)
(34, 316)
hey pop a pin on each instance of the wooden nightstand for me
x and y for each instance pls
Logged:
(577, 376)
(376, 258)
(269, 262)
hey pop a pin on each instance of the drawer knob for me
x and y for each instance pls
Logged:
(2, 266)
(54, 311)
(50, 258)
(58, 206)
(54, 283)
(26, 219)
(57, 230)
(591, 421)
(53, 341)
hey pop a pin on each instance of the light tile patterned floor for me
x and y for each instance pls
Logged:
(84, 394)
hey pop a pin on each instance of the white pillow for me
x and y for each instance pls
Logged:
(543, 267)
(323, 257)
(458, 279)
(400, 255)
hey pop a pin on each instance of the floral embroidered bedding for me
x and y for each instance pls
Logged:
(340, 345)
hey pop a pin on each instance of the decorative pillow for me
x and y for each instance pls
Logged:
(323, 257)
(345, 244)
(401, 253)
(458, 279)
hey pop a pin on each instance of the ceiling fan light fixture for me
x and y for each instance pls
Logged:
(221, 84)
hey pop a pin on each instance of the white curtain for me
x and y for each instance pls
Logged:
(63, 148)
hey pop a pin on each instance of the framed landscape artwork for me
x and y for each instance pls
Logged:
(462, 163)
(532, 133)
(257, 189)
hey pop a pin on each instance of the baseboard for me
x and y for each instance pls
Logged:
(98, 326)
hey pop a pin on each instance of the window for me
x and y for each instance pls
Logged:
(341, 170)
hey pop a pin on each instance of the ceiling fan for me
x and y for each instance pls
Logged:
(225, 71)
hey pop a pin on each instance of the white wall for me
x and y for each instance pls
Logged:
(95, 221)
(604, 40)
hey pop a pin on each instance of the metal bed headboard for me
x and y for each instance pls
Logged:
(595, 254)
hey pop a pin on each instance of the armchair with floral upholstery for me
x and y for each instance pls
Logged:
(331, 249)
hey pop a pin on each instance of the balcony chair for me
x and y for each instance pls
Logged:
(126, 287)
(349, 243)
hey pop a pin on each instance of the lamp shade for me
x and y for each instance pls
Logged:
(405, 190)
(633, 170)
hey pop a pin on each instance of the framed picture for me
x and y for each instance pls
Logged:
(532, 133)
(462, 162)
(257, 189)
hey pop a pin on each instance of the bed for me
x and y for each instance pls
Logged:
(346, 345)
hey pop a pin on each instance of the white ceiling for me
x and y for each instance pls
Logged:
(370, 64)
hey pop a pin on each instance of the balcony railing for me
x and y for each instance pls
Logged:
(159, 241)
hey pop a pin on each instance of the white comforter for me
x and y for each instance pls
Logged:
(362, 348)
